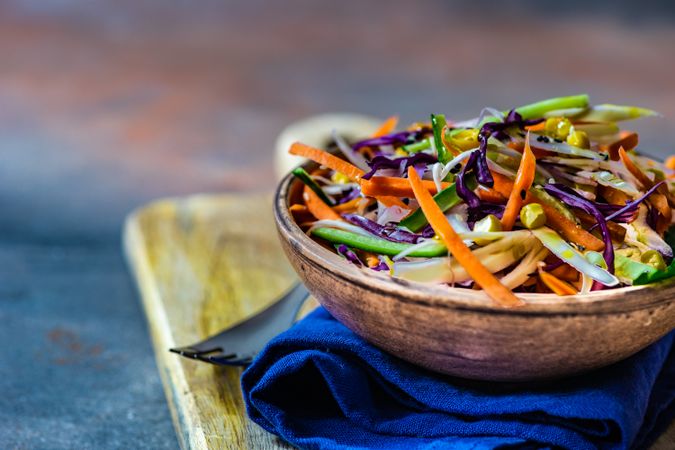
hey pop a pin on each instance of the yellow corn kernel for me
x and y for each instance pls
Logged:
(464, 139)
(558, 127)
(579, 139)
(532, 216)
(654, 259)
(339, 177)
(487, 224)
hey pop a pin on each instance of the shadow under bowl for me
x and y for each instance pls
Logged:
(461, 332)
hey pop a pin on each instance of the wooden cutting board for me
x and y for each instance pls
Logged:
(203, 263)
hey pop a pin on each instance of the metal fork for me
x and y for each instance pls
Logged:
(238, 345)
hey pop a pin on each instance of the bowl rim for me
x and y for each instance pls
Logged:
(610, 301)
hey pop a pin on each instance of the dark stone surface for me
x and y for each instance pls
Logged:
(106, 105)
(77, 369)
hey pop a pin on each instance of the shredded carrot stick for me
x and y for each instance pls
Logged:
(397, 187)
(536, 127)
(659, 200)
(660, 203)
(333, 162)
(491, 195)
(326, 159)
(521, 186)
(642, 177)
(538, 152)
(453, 149)
(565, 273)
(558, 286)
(480, 274)
(516, 145)
(387, 127)
(634, 170)
(568, 229)
(502, 184)
(616, 231)
(317, 207)
(627, 139)
(613, 195)
(349, 206)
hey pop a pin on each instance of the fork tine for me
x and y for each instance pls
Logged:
(214, 356)
(192, 352)
(246, 338)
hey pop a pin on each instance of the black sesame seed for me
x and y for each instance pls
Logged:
(559, 141)
(523, 194)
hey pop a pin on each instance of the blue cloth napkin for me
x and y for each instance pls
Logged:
(318, 385)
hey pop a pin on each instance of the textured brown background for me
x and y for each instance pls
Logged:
(105, 105)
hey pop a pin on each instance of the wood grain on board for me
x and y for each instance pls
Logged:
(201, 264)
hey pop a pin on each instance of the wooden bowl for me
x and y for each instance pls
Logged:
(461, 332)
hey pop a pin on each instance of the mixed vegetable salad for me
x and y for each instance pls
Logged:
(550, 197)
